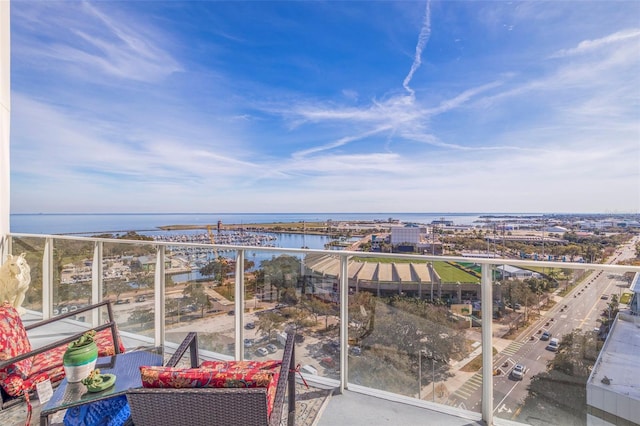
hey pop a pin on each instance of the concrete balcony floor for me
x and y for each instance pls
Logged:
(350, 408)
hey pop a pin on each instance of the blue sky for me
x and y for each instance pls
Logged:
(361, 106)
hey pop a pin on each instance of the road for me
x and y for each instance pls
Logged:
(580, 309)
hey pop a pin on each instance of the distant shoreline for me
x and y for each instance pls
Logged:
(312, 228)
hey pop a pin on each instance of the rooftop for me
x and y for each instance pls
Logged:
(618, 366)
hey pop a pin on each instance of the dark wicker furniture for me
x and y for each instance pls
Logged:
(214, 406)
(6, 400)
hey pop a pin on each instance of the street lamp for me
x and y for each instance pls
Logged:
(430, 356)
(433, 376)
(431, 277)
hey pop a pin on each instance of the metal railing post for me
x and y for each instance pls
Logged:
(487, 344)
(47, 278)
(239, 305)
(96, 281)
(159, 296)
(344, 322)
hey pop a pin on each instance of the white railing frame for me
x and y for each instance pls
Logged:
(487, 265)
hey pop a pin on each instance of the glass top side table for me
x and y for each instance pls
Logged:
(125, 366)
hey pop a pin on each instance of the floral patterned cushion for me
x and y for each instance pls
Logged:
(13, 342)
(217, 374)
(104, 340)
(232, 366)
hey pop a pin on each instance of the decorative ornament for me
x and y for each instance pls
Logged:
(80, 358)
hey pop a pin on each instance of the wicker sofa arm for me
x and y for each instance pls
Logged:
(190, 342)
(287, 380)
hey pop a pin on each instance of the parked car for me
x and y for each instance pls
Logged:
(356, 351)
(261, 339)
(248, 343)
(262, 352)
(328, 362)
(545, 336)
(272, 348)
(140, 299)
(518, 371)
(331, 348)
(309, 370)
(604, 297)
(553, 345)
(188, 309)
(249, 326)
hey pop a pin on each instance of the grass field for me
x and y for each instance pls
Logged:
(451, 274)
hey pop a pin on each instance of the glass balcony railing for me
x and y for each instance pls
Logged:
(473, 334)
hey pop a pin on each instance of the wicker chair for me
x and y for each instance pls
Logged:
(214, 406)
(47, 360)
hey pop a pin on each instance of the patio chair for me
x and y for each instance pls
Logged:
(247, 406)
(22, 367)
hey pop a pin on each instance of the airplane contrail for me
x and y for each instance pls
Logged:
(425, 32)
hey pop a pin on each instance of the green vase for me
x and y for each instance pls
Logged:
(79, 361)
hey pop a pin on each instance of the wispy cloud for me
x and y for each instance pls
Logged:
(88, 40)
(423, 38)
(342, 141)
(591, 45)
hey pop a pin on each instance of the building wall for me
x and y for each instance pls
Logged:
(5, 116)
(405, 235)
(634, 304)
(605, 407)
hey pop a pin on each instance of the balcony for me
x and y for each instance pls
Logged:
(367, 332)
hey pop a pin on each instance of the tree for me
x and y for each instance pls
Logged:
(317, 307)
(361, 315)
(281, 272)
(404, 328)
(82, 291)
(141, 317)
(172, 306)
(269, 321)
(219, 268)
(289, 296)
(117, 287)
(195, 292)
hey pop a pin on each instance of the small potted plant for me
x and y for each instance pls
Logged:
(80, 357)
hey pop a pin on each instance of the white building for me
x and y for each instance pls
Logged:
(405, 234)
(509, 271)
(613, 388)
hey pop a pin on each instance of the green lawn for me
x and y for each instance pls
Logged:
(451, 274)
(547, 271)
(448, 273)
